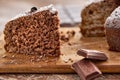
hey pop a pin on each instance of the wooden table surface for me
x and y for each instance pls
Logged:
(9, 8)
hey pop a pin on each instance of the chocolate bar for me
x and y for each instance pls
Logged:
(86, 70)
(92, 54)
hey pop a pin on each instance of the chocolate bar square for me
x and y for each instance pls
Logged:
(86, 70)
(92, 54)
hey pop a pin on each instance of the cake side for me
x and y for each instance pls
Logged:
(36, 33)
(94, 16)
(112, 27)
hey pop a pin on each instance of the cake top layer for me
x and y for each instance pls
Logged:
(35, 10)
(49, 7)
(114, 19)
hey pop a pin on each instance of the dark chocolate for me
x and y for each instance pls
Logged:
(92, 54)
(33, 9)
(86, 69)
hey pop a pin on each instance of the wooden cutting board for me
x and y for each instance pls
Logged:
(19, 63)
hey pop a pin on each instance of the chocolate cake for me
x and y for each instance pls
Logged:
(94, 16)
(34, 32)
(112, 26)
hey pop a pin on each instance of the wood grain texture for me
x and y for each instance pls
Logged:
(19, 63)
(53, 77)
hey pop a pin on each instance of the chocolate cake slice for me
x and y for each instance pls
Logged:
(94, 16)
(34, 32)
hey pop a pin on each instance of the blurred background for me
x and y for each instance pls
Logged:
(69, 10)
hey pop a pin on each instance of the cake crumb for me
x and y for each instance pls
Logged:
(67, 36)
(64, 38)
(61, 32)
(66, 60)
(71, 33)
(70, 60)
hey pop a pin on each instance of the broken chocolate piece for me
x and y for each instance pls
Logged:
(86, 70)
(92, 54)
